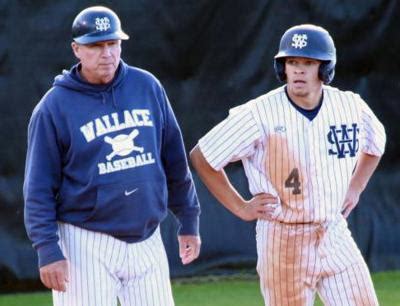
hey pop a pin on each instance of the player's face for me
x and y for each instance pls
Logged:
(99, 60)
(302, 76)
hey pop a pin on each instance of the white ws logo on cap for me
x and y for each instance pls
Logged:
(102, 24)
(299, 41)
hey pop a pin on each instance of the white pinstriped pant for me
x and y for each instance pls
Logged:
(296, 261)
(102, 269)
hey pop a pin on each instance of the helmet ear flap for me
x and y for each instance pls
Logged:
(326, 71)
(279, 66)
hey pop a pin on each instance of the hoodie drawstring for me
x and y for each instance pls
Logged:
(114, 102)
(104, 96)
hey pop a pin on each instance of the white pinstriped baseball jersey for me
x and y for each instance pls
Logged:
(307, 164)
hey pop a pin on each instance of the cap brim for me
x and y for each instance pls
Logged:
(90, 38)
(311, 55)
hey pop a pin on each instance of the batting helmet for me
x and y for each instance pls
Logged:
(97, 23)
(307, 41)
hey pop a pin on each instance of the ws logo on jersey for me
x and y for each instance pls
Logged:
(344, 140)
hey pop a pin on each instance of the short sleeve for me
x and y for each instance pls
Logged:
(233, 139)
(373, 134)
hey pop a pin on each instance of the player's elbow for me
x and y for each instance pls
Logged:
(199, 162)
(197, 159)
(194, 156)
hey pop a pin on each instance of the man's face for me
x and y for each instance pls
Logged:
(302, 76)
(99, 60)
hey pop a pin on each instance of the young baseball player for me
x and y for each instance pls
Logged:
(105, 161)
(308, 151)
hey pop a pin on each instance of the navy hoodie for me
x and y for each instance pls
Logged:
(107, 158)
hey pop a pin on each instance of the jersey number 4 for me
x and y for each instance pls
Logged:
(293, 181)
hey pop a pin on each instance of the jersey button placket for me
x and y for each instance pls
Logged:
(313, 151)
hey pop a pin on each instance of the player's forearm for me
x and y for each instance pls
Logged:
(366, 166)
(217, 182)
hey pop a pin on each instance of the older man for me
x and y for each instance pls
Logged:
(105, 162)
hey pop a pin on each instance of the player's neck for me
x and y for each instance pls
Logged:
(309, 100)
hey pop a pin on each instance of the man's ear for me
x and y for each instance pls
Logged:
(75, 48)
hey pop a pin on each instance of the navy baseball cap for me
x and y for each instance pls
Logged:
(97, 23)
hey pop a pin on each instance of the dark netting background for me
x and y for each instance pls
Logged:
(210, 55)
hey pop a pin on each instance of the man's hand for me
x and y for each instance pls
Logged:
(55, 275)
(189, 248)
(350, 201)
(261, 206)
(366, 165)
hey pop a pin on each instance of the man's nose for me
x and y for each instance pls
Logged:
(106, 51)
(299, 69)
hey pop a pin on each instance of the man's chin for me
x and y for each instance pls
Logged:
(107, 73)
(299, 92)
(106, 78)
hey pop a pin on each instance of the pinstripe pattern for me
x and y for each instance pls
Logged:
(102, 268)
(308, 247)
(295, 261)
(272, 138)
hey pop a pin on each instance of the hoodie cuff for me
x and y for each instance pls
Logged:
(189, 226)
(49, 253)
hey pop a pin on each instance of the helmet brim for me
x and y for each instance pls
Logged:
(310, 55)
(91, 38)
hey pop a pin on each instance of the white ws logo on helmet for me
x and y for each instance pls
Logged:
(299, 41)
(102, 24)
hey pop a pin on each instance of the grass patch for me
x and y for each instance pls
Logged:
(220, 292)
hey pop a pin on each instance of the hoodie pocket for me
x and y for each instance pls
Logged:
(129, 208)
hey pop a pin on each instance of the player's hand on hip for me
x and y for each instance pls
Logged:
(261, 206)
(189, 248)
(55, 275)
(350, 201)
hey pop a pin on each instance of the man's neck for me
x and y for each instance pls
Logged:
(309, 101)
(92, 80)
